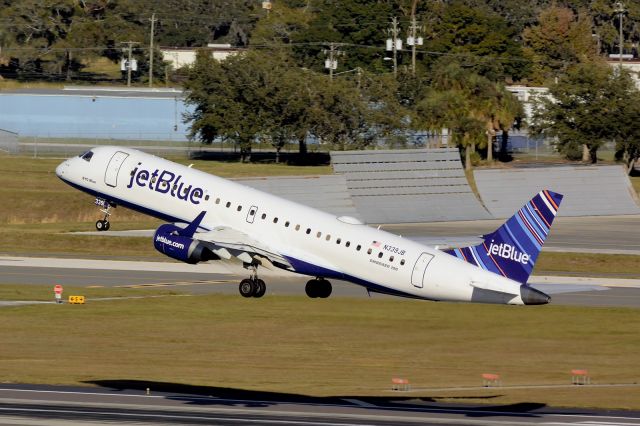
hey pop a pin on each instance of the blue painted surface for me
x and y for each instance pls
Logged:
(85, 116)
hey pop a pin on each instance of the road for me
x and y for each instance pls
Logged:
(129, 404)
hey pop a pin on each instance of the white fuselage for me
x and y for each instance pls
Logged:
(315, 242)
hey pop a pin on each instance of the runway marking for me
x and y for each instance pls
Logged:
(174, 283)
(360, 403)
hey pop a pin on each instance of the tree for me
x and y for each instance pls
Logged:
(560, 40)
(627, 131)
(583, 109)
(471, 106)
(479, 39)
(224, 98)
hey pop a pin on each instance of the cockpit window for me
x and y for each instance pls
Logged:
(87, 156)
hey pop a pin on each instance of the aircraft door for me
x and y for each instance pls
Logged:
(111, 175)
(419, 269)
(253, 211)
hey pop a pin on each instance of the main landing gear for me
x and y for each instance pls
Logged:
(104, 225)
(318, 287)
(252, 286)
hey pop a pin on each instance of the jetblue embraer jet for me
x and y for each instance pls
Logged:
(210, 218)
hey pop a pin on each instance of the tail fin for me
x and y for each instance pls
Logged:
(512, 250)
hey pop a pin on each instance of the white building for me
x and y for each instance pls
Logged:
(179, 57)
(525, 94)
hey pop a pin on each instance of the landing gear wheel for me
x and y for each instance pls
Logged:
(247, 288)
(101, 225)
(261, 288)
(107, 225)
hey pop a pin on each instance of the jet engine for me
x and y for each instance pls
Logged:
(168, 241)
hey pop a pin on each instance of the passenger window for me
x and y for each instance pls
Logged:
(264, 215)
(380, 255)
(239, 208)
(402, 262)
(369, 251)
(228, 204)
(339, 240)
(206, 197)
(390, 258)
(319, 234)
(328, 237)
(297, 227)
(275, 220)
(358, 247)
(347, 244)
(217, 200)
(308, 230)
(286, 224)
(252, 212)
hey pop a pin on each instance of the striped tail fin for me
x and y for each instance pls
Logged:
(512, 250)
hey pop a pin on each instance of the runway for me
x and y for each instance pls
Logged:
(223, 278)
(51, 405)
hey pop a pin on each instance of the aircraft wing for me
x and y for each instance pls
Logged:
(227, 242)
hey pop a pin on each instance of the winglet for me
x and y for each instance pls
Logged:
(191, 229)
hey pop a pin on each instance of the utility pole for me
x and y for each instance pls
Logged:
(413, 40)
(332, 61)
(129, 61)
(619, 9)
(394, 43)
(153, 21)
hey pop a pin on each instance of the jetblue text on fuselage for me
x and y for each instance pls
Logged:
(165, 182)
(507, 251)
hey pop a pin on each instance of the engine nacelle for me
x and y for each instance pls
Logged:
(168, 242)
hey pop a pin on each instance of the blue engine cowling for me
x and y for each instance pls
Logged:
(168, 241)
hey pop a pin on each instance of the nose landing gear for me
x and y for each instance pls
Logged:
(103, 224)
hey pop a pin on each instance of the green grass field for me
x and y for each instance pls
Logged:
(333, 347)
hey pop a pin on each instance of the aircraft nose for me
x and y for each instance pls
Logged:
(531, 296)
(61, 168)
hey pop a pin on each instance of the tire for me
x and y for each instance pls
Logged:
(325, 289)
(247, 288)
(100, 225)
(312, 289)
(261, 288)
(107, 225)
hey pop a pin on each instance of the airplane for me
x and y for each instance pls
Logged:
(210, 218)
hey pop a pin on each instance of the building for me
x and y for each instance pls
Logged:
(179, 57)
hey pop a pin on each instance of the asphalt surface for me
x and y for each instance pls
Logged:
(223, 278)
(128, 403)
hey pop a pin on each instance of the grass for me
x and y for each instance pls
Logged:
(552, 263)
(334, 347)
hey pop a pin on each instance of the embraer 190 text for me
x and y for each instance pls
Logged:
(211, 218)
